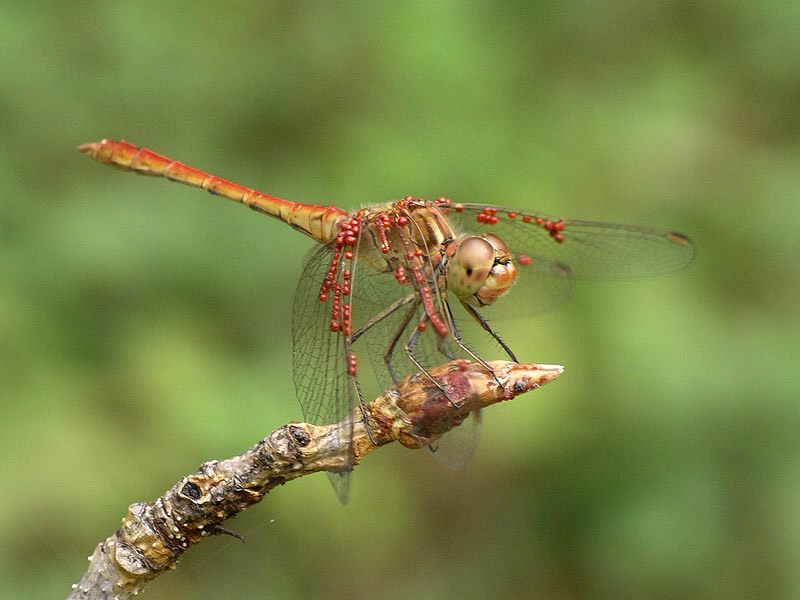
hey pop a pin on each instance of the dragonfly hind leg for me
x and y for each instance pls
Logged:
(389, 353)
(410, 352)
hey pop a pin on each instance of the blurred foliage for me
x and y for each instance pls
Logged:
(144, 327)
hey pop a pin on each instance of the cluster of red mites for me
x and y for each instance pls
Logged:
(554, 228)
(425, 292)
(445, 205)
(488, 216)
(412, 253)
(383, 222)
(340, 311)
(347, 324)
(433, 316)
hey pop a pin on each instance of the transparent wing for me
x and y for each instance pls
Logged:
(374, 291)
(323, 386)
(588, 250)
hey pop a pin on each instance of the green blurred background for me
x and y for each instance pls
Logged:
(144, 327)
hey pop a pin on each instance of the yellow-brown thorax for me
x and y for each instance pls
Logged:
(478, 270)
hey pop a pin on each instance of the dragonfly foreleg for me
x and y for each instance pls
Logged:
(476, 358)
(483, 323)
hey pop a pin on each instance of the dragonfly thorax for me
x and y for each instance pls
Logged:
(480, 270)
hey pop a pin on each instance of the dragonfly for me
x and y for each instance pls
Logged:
(399, 281)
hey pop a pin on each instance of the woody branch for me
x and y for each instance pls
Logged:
(154, 535)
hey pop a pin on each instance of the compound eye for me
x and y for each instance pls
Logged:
(498, 243)
(470, 266)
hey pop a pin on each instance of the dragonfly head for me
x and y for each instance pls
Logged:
(480, 270)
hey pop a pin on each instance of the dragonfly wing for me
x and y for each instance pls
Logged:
(375, 291)
(324, 389)
(594, 250)
(456, 447)
(589, 250)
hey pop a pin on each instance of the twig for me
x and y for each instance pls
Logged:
(154, 535)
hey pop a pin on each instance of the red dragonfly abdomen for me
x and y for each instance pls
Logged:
(318, 222)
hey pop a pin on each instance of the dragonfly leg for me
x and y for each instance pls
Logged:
(410, 352)
(477, 316)
(444, 351)
(387, 355)
(364, 415)
(361, 405)
(382, 315)
(478, 359)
